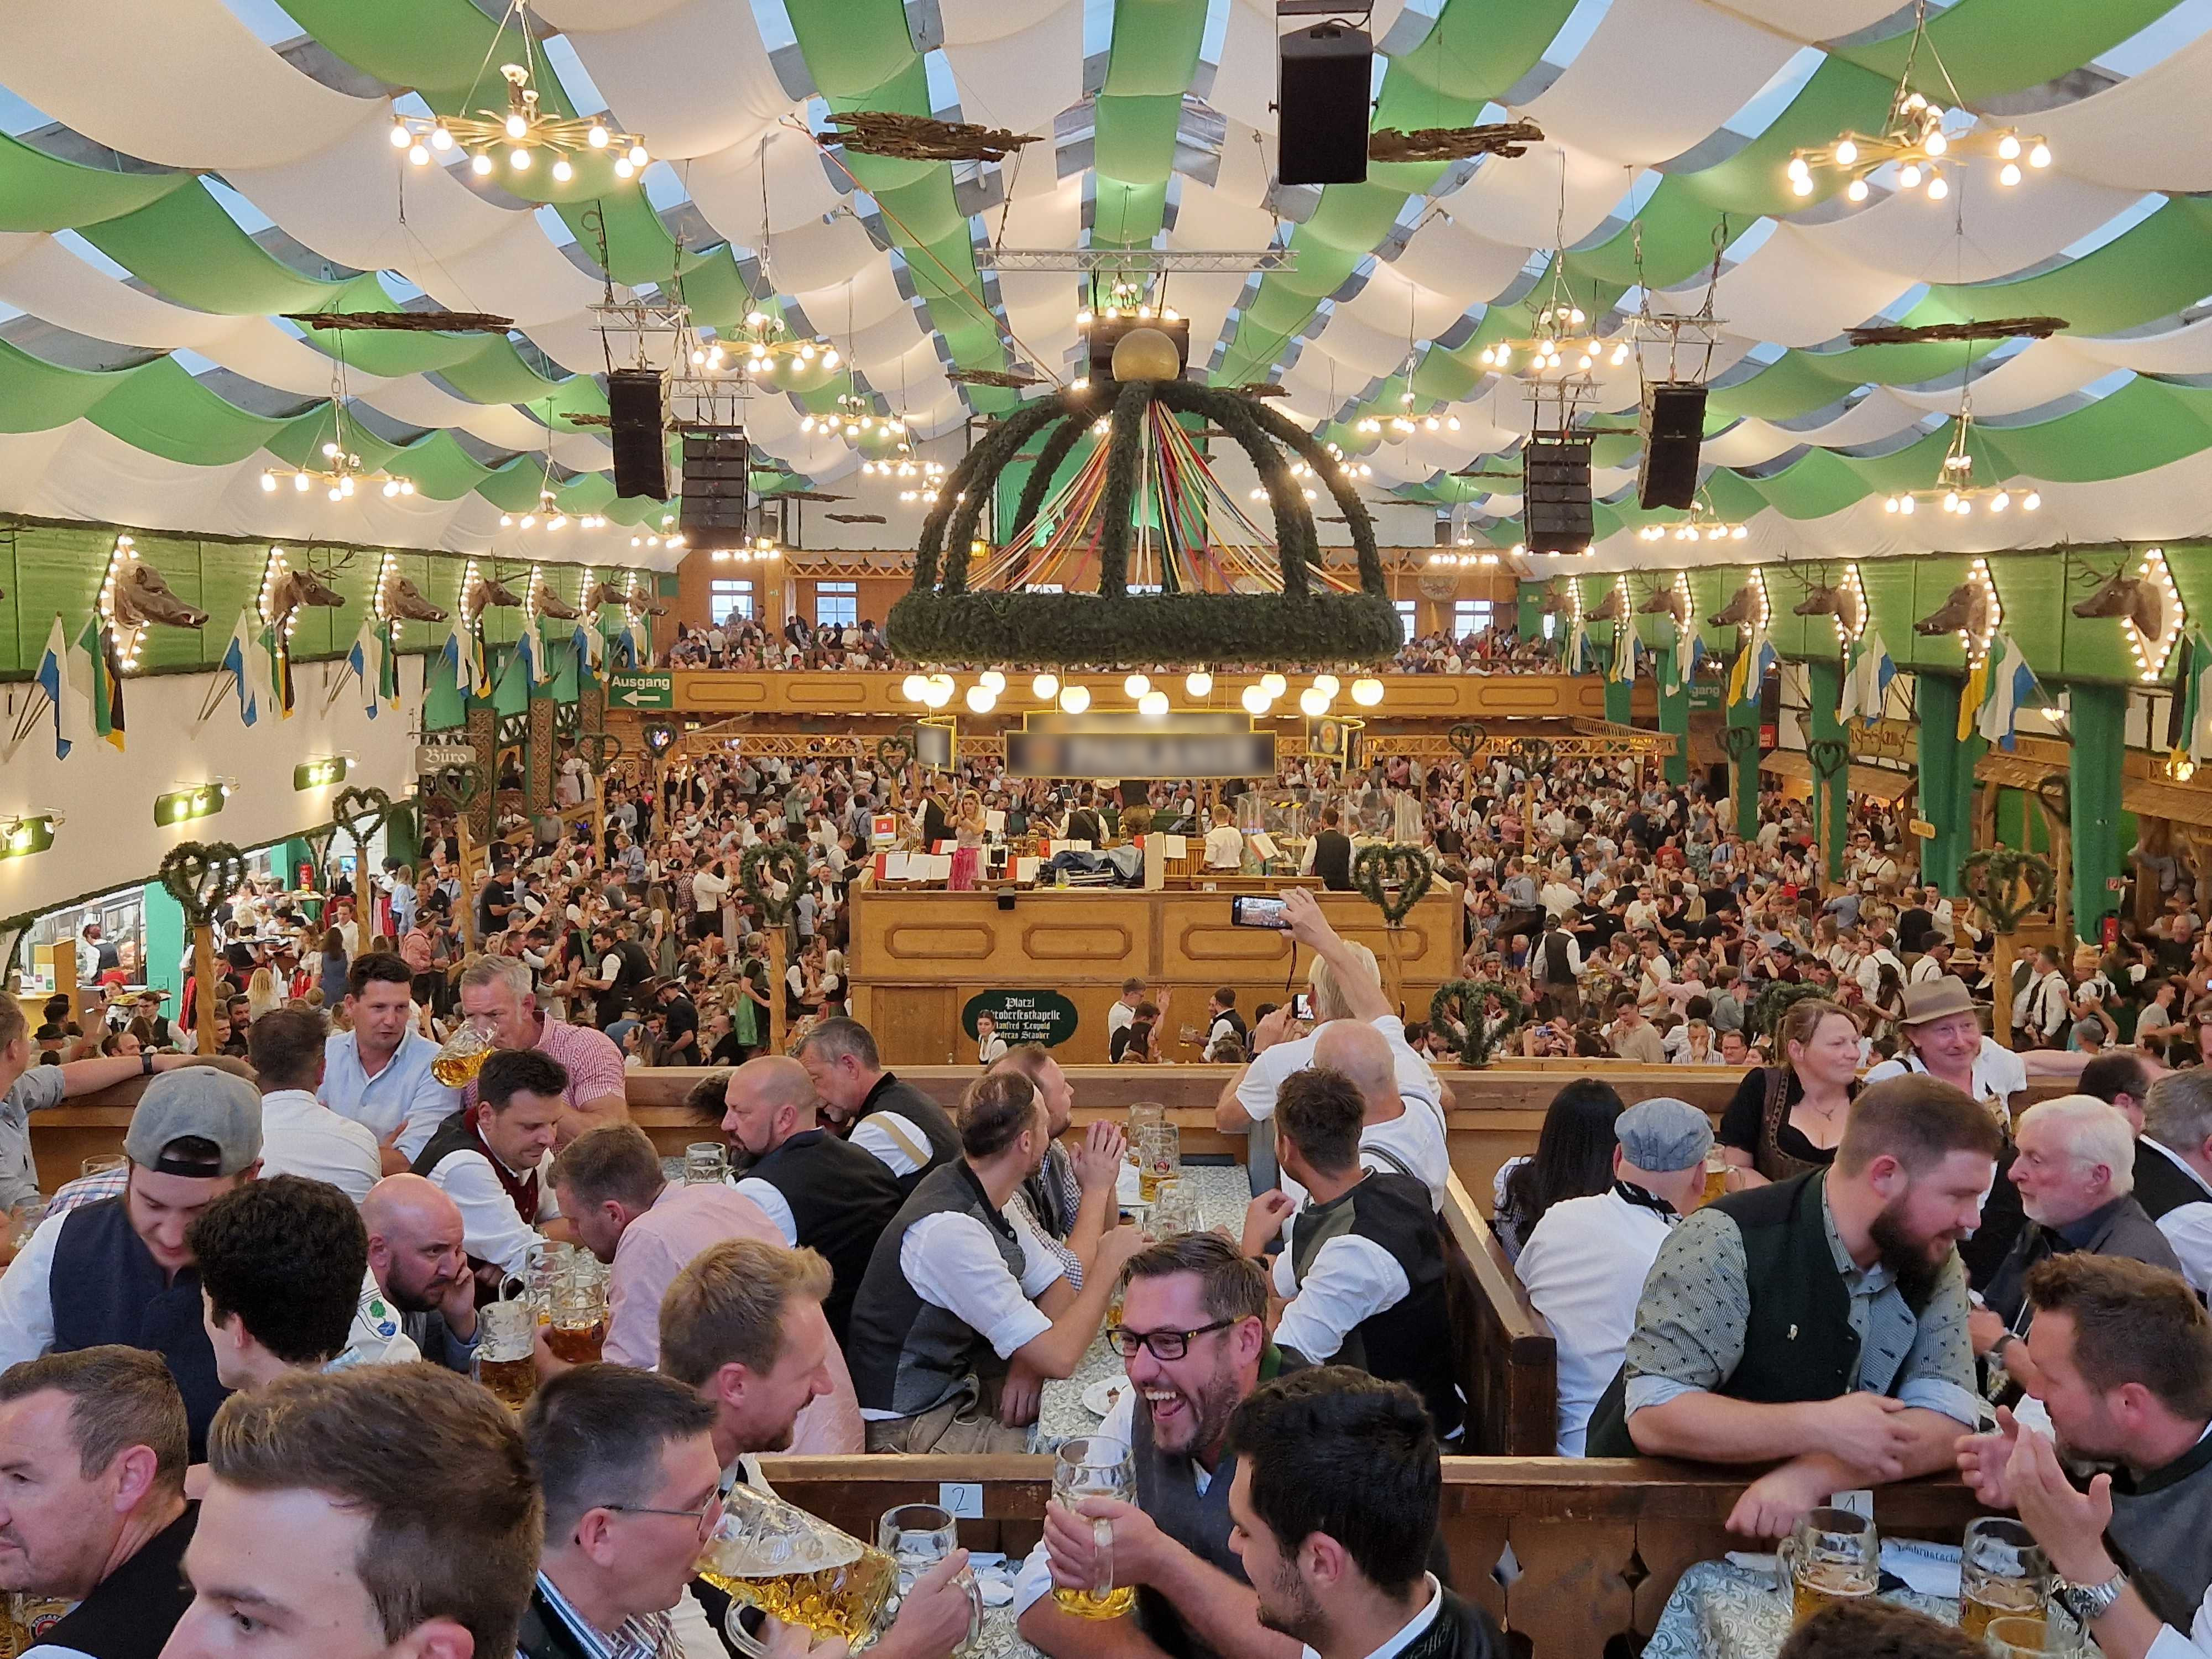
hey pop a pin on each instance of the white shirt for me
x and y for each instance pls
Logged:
(895, 1141)
(1583, 1267)
(2188, 1229)
(1998, 1074)
(300, 1136)
(1407, 1632)
(1348, 1280)
(1118, 1014)
(774, 1204)
(1256, 1089)
(1225, 847)
(492, 1229)
(377, 1336)
(1926, 971)
(992, 1050)
(2169, 1643)
(952, 1262)
(404, 1095)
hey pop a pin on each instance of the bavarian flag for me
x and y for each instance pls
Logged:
(280, 670)
(530, 650)
(1976, 692)
(590, 648)
(2190, 736)
(372, 659)
(97, 658)
(1751, 666)
(1624, 652)
(1867, 685)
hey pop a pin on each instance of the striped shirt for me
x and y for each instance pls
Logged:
(640, 1636)
(593, 1063)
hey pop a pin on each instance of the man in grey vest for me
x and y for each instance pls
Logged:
(903, 1127)
(961, 1315)
(1194, 1338)
(1820, 1320)
(2122, 1368)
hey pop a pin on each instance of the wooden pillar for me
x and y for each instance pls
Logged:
(1947, 781)
(1831, 793)
(1744, 782)
(204, 978)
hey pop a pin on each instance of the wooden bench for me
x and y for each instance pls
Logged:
(1598, 1544)
(1509, 1351)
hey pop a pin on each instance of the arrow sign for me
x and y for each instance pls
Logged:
(641, 690)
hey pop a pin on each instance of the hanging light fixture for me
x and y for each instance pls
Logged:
(1955, 490)
(1915, 139)
(520, 134)
(1701, 525)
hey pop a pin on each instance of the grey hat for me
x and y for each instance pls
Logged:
(218, 1109)
(1663, 1135)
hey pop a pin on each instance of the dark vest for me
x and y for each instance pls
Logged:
(890, 1095)
(908, 1355)
(1333, 859)
(1798, 1341)
(2162, 1527)
(841, 1199)
(131, 1613)
(457, 1134)
(107, 1287)
(1552, 953)
(2120, 1229)
(2162, 1184)
(1406, 1343)
(636, 969)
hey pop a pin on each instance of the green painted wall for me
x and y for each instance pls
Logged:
(2099, 718)
(165, 944)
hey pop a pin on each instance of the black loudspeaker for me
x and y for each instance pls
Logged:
(1555, 497)
(717, 466)
(633, 427)
(1674, 427)
(1322, 78)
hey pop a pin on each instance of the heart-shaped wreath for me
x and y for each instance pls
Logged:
(766, 866)
(201, 875)
(598, 749)
(460, 785)
(1458, 1007)
(896, 753)
(660, 737)
(359, 814)
(1738, 743)
(1829, 755)
(2057, 794)
(1465, 737)
(1379, 868)
(1993, 876)
(1535, 755)
(1772, 1005)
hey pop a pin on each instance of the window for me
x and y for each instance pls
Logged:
(728, 598)
(1405, 619)
(836, 605)
(1470, 616)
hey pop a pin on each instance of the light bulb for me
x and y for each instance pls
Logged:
(1074, 699)
(912, 687)
(508, 518)
(563, 171)
(1799, 169)
(516, 126)
(2032, 500)
(419, 156)
(1847, 153)
(1908, 177)
(2039, 156)
(269, 481)
(1938, 187)
(1999, 501)
(2008, 147)
(1907, 505)
(938, 696)
(1137, 684)
(597, 138)
(1274, 685)
(300, 482)
(529, 519)
(1255, 700)
(1153, 705)
(623, 168)
(982, 699)
(638, 157)
(1936, 143)
(1198, 682)
(1312, 704)
(401, 137)
(1367, 691)
(440, 140)
(1742, 532)
(480, 164)
(2009, 174)
(519, 159)
(1802, 185)
(1328, 685)
(1045, 687)
(1856, 190)
(992, 681)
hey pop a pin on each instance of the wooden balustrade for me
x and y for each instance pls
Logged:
(1598, 1544)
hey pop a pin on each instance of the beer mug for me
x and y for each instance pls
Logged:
(917, 1537)
(1176, 1211)
(1833, 1557)
(1095, 1465)
(2018, 1638)
(769, 1554)
(1159, 1160)
(1716, 1174)
(705, 1163)
(457, 1064)
(1143, 1115)
(580, 1321)
(506, 1334)
(2003, 1574)
(551, 1269)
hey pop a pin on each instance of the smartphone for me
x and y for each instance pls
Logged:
(1302, 1008)
(1255, 910)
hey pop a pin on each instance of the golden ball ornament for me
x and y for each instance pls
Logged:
(1146, 354)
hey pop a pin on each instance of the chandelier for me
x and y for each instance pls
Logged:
(550, 514)
(760, 346)
(341, 473)
(658, 538)
(522, 129)
(755, 547)
(1955, 490)
(1702, 525)
(1915, 139)
(856, 418)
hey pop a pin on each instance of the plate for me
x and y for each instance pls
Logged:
(1101, 1396)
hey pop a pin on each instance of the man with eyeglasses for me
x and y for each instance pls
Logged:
(626, 1459)
(1193, 1337)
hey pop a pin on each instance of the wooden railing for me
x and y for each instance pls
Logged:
(1598, 1544)
(1513, 1410)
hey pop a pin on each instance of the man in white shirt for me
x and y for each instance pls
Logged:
(961, 1314)
(1330, 1451)
(1123, 1010)
(2173, 1163)
(1224, 847)
(2039, 1010)
(379, 1072)
(1584, 1265)
(1934, 962)
(299, 1135)
(493, 1158)
(1346, 986)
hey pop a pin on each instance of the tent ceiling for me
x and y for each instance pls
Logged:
(180, 172)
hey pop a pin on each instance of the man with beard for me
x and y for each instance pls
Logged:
(1335, 1501)
(2123, 1370)
(1193, 1338)
(1820, 1320)
(1070, 1200)
(414, 1255)
(895, 1121)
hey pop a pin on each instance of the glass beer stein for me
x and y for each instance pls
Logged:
(917, 1537)
(767, 1553)
(457, 1064)
(2003, 1574)
(507, 1335)
(1833, 1557)
(1095, 1465)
